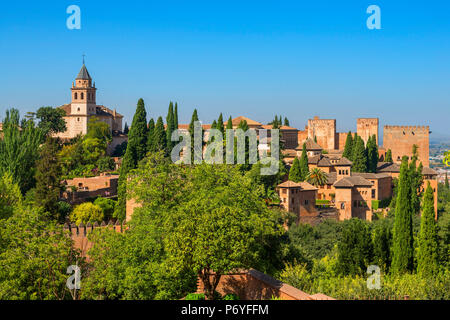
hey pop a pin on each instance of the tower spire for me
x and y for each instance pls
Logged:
(83, 57)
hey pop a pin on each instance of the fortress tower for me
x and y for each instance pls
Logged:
(366, 127)
(400, 139)
(324, 130)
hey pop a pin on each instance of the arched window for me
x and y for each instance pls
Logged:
(75, 96)
(82, 96)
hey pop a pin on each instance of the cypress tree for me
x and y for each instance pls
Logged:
(402, 253)
(415, 181)
(170, 126)
(372, 154)
(191, 132)
(382, 239)
(304, 169)
(151, 130)
(136, 151)
(48, 177)
(359, 156)
(348, 146)
(286, 121)
(220, 125)
(295, 173)
(315, 138)
(427, 255)
(126, 129)
(230, 123)
(214, 125)
(159, 137)
(175, 117)
(388, 156)
(446, 181)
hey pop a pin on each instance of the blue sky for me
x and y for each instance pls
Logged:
(253, 58)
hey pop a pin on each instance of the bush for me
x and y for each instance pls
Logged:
(230, 296)
(322, 201)
(375, 204)
(195, 296)
(107, 206)
(87, 212)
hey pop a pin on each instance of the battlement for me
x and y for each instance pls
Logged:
(421, 129)
(82, 230)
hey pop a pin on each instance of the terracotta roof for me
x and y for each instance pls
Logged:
(388, 167)
(290, 152)
(343, 162)
(324, 162)
(310, 145)
(291, 184)
(353, 181)
(314, 159)
(369, 175)
(67, 108)
(238, 120)
(429, 171)
(287, 128)
(186, 126)
(331, 177)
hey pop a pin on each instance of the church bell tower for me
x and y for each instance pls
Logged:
(83, 94)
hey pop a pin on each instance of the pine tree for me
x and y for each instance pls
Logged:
(159, 137)
(48, 177)
(388, 156)
(220, 125)
(427, 255)
(348, 146)
(170, 127)
(359, 156)
(304, 169)
(151, 130)
(175, 117)
(136, 151)
(402, 253)
(295, 173)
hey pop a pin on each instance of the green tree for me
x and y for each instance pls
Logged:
(159, 137)
(170, 127)
(359, 157)
(34, 256)
(98, 130)
(151, 130)
(19, 149)
(372, 154)
(446, 181)
(120, 149)
(230, 123)
(10, 196)
(87, 212)
(416, 181)
(220, 125)
(388, 156)
(317, 177)
(382, 242)
(175, 116)
(126, 129)
(136, 151)
(194, 118)
(107, 206)
(48, 178)
(286, 121)
(51, 120)
(295, 173)
(428, 255)
(402, 245)
(354, 248)
(304, 169)
(348, 146)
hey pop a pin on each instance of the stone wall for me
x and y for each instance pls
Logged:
(366, 127)
(400, 139)
(324, 130)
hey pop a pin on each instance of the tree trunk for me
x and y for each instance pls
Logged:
(209, 283)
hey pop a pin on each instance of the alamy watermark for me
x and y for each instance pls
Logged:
(214, 151)
(374, 20)
(374, 280)
(74, 20)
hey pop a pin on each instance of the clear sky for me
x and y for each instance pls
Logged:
(252, 58)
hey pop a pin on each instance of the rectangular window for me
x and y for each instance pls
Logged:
(373, 193)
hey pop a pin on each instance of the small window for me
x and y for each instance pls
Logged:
(75, 96)
(373, 193)
(78, 119)
(78, 109)
(306, 202)
(82, 96)
(342, 205)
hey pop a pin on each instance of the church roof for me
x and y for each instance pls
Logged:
(310, 145)
(83, 74)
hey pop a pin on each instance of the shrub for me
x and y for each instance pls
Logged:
(375, 204)
(87, 212)
(230, 296)
(195, 296)
(107, 206)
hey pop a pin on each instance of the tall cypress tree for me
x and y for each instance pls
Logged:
(304, 169)
(372, 154)
(151, 130)
(359, 156)
(175, 116)
(191, 132)
(416, 180)
(286, 121)
(48, 177)
(388, 156)
(446, 181)
(136, 151)
(170, 121)
(220, 125)
(402, 253)
(348, 146)
(230, 123)
(159, 137)
(126, 129)
(427, 255)
(295, 173)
